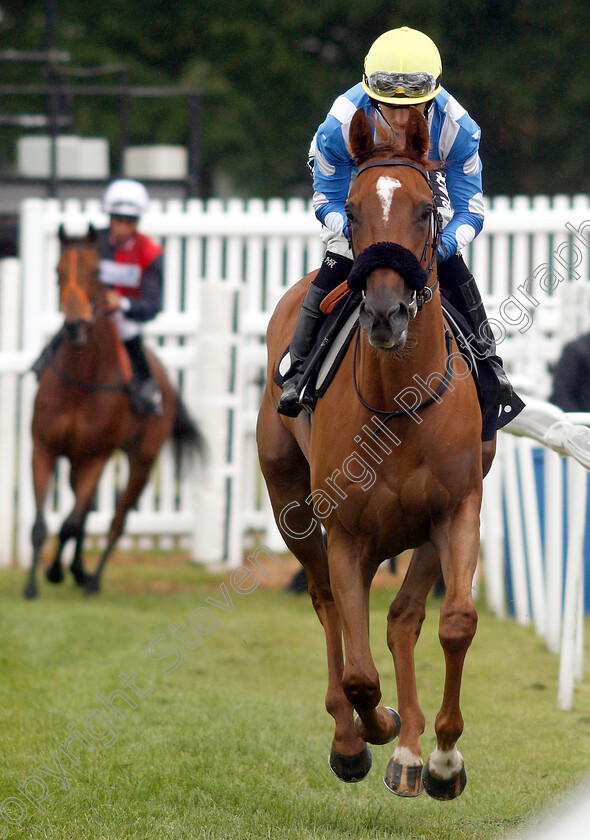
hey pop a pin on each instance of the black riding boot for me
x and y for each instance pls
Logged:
(48, 353)
(146, 397)
(467, 299)
(306, 331)
(333, 271)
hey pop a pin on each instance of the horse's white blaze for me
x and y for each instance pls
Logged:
(386, 186)
(406, 757)
(445, 765)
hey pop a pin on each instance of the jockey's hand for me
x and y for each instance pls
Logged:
(113, 299)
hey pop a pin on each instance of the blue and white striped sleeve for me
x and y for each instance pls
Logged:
(458, 146)
(333, 166)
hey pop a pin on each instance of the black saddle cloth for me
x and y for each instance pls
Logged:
(334, 339)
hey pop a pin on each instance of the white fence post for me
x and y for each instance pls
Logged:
(35, 282)
(576, 485)
(493, 533)
(9, 314)
(561, 435)
(215, 505)
(553, 546)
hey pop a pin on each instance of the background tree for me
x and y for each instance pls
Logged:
(270, 69)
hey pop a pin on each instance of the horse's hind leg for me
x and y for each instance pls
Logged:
(139, 473)
(458, 545)
(286, 473)
(406, 614)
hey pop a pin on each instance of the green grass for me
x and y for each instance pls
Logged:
(234, 742)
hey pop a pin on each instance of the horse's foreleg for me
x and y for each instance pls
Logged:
(406, 614)
(350, 582)
(286, 473)
(139, 473)
(72, 529)
(84, 478)
(43, 463)
(77, 566)
(444, 774)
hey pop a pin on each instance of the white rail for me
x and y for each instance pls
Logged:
(537, 562)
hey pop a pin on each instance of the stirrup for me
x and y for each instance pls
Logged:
(288, 404)
(506, 391)
(146, 397)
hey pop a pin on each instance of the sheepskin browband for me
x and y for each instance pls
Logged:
(387, 255)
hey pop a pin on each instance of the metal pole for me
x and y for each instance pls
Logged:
(53, 92)
(124, 124)
(195, 163)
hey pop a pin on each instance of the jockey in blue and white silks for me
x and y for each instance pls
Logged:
(403, 68)
(454, 137)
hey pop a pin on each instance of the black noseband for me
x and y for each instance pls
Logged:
(387, 255)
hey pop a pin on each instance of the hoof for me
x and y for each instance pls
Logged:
(30, 591)
(54, 574)
(79, 575)
(91, 585)
(444, 789)
(403, 779)
(351, 768)
(397, 725)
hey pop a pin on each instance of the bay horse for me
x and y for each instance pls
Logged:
(82, 412)
(392, 460)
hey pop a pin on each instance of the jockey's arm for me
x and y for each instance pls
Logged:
(464, 184)
(332, 173)
(149, 303)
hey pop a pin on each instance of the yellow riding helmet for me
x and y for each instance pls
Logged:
(403, 67)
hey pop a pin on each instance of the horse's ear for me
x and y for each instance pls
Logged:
(417, 134)
(62, 234)
(361, 135)
(92, 234)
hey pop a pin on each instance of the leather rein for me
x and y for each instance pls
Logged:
(396, 258)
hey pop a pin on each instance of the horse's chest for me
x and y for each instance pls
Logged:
(89, 431)
(403, 505)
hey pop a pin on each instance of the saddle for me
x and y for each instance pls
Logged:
(340, 327)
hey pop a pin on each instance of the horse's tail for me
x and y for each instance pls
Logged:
(187, 437)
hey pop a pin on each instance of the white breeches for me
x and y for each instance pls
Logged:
(127, 328)
(337, 243)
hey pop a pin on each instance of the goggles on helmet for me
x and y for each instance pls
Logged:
(386, 84)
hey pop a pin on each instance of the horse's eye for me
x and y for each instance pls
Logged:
(349, 210)
(425, 214)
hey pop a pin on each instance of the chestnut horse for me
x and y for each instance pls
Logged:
(392, 460)
(82, 412)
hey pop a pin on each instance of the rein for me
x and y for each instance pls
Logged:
(435, 397)
(87, 386)
(400, 259)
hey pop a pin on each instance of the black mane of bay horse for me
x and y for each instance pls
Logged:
(381, 480)
(82, 412)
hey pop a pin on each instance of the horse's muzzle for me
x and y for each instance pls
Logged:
(386, 323)
(77, 332)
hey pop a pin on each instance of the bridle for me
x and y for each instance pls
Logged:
(395, 256)
(402, 260)
(72, 286)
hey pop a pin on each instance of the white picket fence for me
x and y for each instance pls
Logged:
(226, 267)
(534, 514)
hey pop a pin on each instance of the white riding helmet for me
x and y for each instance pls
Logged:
(125, 198)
